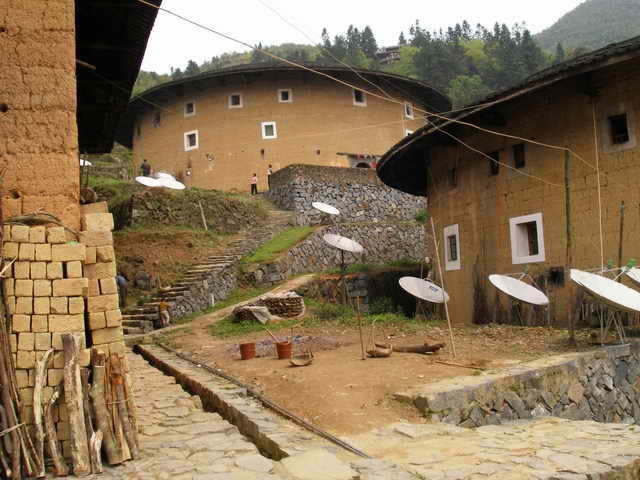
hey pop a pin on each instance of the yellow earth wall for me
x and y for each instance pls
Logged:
(482, 204)
(320, 122)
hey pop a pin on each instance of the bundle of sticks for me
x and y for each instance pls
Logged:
(102, 416)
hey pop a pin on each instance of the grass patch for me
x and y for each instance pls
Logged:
(421, 216)
(323, 315)
(278, 244)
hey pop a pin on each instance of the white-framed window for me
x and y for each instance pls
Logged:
(527, 239)
(285, 95)
(359, 98)
(452, 247)
(408, 110)
(235, 100)
(191, 140)
(407, 132)
(269, 130)
(190, 108)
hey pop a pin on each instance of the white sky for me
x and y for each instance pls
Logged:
(173, 42)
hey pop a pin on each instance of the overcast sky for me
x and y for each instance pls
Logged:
(173, 42)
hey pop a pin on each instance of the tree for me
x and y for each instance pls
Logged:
(258, 56)
(192, 69)
(559, 58)
(176, 74)
(401, 40)
(369, 44)
(466, 89)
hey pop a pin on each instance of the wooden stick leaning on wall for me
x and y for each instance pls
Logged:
(74, 400)
(94, 436)
(40, 381)
(59, 466)
(446, 307)
(117, 384)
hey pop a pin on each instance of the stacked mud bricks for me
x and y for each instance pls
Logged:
(60, 284)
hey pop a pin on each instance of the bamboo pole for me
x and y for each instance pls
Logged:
(364, 357)
(204, 220)
(446, 307)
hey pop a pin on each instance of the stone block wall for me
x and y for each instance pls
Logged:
(603, 385)
(55, 284)
(382, 243)
(356, 192)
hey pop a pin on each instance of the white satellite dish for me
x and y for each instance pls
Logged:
(343, 243)
(173, 184)
(424, 289)
(85, 163)
(608, 291)
(161, 175)
(519, 290)
(325, 208)
(633, 274)
(148, 181)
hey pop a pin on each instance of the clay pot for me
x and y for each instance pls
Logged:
(284, 350)
(247, 351)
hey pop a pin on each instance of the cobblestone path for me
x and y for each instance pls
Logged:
(181, 441)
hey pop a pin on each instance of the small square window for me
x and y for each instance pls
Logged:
(359, 98)
(189, 109)
(285, 96)
(527, 239)
(157, 119)
(452, 247)
(518, 155)
(269, 130)
(408, 110)
(453, 177)
(619, 129)
(191, 140)
(235, 100)
(494, 166)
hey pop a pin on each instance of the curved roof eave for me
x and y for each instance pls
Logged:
(427, 94)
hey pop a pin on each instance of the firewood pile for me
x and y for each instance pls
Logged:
(98, 400)
(287, 305)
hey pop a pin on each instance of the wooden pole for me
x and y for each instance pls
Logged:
(204, 220)
(364, 357)
(446, 307)
(73, 400)
(59, 466)
(40, 381)
(117, 382)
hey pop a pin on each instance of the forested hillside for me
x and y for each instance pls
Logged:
(594, 24)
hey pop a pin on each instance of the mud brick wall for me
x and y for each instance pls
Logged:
(55, 284)
(38, 130)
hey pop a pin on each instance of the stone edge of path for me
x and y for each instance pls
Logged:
(273, 436)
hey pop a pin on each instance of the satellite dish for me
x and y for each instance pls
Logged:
(85, 163)
(325, 208)
(615, 294)
(161, 175)
(343, 243)
(148, 181)
(173, 184)
(519, 290)
(633, 274)
(423, 289)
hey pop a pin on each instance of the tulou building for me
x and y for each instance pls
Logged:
(507, 204)
(216, 129)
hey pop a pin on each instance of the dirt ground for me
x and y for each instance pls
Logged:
(345, 395)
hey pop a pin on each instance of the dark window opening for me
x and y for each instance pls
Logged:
(138, 130)
(494, 166)
(408, 110)
(284, 96)
(619, 129)
(191, 140)
(556, 276)
(189, 108)
(518, 156)
(363, 165)
(235, 100)
(453, 177)
(532, 237)
(157, 118)
(358, 96)
(452, 240)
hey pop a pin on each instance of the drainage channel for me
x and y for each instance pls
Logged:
(270, 438)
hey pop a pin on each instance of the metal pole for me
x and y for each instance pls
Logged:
(446, 307)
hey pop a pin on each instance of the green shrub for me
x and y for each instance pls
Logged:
(382, 305)
(421, 216)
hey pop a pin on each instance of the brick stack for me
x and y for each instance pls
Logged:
(45, 291)
(104, 316)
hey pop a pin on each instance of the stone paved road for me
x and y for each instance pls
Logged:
(541, 449)
(181, 441)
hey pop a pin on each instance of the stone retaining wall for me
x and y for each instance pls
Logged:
(356, 192)
(602, 385)
(382, 242)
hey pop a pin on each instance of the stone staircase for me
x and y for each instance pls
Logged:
(140, 319)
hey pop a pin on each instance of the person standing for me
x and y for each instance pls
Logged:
(269, 172)
(254, 184)
(145, 168)
(121, 282)
(163, 314)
